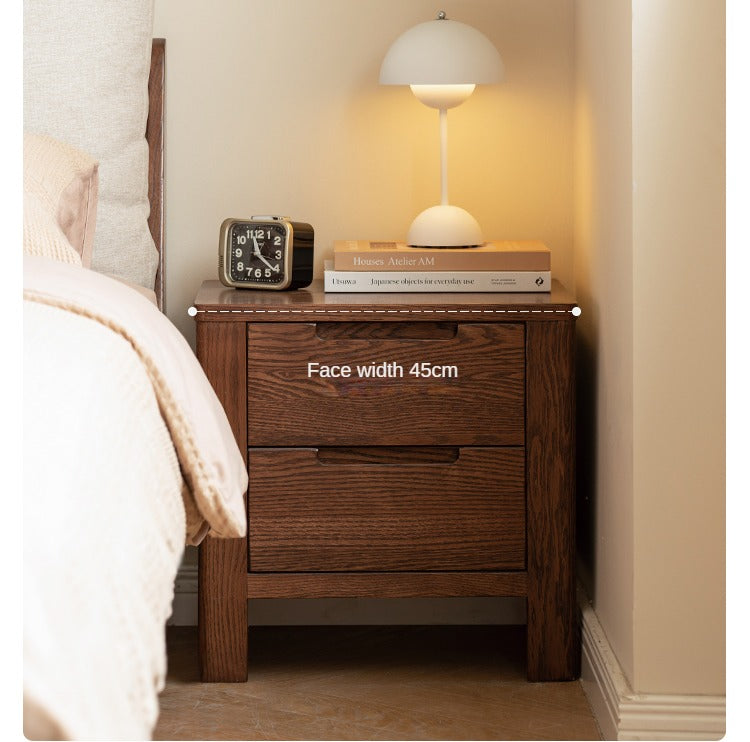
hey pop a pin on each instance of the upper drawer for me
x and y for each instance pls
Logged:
(470, 390)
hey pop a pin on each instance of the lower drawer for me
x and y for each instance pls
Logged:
(386, 509)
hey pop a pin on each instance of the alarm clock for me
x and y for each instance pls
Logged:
(266, 252)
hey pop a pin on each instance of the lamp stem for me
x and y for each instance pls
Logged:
(444, 156)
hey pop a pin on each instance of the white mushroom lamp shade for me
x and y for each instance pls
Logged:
(442, 61)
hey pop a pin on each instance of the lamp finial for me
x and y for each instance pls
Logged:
(441, 16)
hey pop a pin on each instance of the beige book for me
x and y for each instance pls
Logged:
(496, 255)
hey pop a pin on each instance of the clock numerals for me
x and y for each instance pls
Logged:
(256, 253)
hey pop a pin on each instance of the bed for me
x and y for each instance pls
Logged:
(128, 455)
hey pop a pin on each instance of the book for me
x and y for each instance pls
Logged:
(497, 255)
(433, 281)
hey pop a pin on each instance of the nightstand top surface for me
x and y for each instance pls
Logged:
(215, 298)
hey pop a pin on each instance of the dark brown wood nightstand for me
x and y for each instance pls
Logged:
(446, 469)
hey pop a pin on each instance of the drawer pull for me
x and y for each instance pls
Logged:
(384, 455)
(386, 330)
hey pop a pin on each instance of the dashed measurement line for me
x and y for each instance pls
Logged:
(193, 311)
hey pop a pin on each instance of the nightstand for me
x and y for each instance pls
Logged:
(399, 445)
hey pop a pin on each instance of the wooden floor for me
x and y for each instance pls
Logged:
(397, 683)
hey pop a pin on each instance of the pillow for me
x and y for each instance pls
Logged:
(66, 181)
(85, 74)
(42, 234)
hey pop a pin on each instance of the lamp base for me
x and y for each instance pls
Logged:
(444, 226)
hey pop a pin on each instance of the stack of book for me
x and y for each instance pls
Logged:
(364, 266)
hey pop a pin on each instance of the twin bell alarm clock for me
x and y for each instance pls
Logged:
(266, 252)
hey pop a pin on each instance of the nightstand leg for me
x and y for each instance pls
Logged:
(553, 645)
(222, 568)
(222, 610)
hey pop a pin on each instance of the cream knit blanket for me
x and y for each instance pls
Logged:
(118, 475)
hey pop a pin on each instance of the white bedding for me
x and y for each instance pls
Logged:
(127, 456)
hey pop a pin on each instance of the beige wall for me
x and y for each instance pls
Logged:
(649, 246)
(679, 350)
(275, 107)
(604, 286)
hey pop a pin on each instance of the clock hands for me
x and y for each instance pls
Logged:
(258, 254)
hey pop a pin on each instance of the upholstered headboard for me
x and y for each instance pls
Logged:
(86, 69)
(155, 138)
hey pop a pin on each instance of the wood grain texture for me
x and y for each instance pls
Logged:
(483, 405)
(222, 565)
(386, 585)
(553, 639)
(308, 516)
(155, 139)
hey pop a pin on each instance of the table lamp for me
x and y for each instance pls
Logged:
(442, 61)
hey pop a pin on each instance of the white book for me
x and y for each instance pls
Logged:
(434, 281)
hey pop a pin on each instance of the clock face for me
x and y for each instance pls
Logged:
(257, 252)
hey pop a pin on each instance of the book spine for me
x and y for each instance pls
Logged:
(437, 260)
(436, 281)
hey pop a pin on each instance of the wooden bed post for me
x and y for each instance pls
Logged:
(155, 139)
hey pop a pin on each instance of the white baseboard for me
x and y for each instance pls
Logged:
(625, 715)
(185, 603)
(353, 611)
